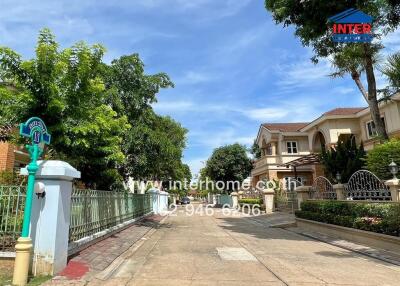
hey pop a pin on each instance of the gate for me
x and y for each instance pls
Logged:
(364, 185)
(286, 199)
(322, 189)
(226, 200)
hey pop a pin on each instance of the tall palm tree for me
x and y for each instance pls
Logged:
(351, 60)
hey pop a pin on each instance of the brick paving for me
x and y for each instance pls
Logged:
(97, 257)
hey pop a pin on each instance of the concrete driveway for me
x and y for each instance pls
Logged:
(239, 250)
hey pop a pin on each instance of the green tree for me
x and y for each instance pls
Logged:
(309, 19)
(345, 158)
(229, 163)
(381, 156)
(155, 147)
(66, 90)
(392, 72)
(255, 150)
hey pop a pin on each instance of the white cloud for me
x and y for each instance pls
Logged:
(303, 74)
(268, 113)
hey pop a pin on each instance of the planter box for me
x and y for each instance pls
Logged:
(372, 239)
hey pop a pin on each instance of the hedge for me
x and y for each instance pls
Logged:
(251, 201)
(375, 217)
(381, 156)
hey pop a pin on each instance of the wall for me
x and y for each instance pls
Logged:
(6, 156)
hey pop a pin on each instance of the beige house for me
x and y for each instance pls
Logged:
(289, 150)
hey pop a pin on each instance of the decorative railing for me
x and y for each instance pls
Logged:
(12, 201)
(94, 211)
(322, 189)
(364, 185)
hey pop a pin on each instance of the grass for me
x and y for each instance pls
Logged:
(34, 281)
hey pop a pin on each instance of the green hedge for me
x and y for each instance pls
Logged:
(251, 201)
(376, 217)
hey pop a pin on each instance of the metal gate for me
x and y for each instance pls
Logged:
(286, 199)
(322, 189)
(364, 185)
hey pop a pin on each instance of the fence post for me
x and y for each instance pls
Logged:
(394, 186)
(303, 194)
(268, 196)
(155, 198)
(235, 201)
(339, 189)
(49, 228)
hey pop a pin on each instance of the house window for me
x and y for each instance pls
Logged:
(291, 147)
(371, 131)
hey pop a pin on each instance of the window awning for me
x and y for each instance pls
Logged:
(310, 159)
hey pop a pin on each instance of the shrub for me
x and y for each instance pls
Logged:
(251, 201)
(346, 158)
(381, 156)
(376, 217)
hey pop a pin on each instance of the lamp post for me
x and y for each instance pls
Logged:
(36, 131)
(338, 177)
(394, 169)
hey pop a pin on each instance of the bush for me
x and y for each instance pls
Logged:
(381, 156)
(251, 201)
(376, 217)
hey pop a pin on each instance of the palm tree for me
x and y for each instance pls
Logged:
(351, 60)
(392, 72)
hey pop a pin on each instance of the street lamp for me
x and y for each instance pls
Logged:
(394, 169)
(338, 177)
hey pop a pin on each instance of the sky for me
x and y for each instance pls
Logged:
(232, 66)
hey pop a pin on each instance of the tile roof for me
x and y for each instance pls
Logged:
(344, 111)
(285, 127)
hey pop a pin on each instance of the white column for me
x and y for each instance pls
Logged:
(269, 195)
(394, 186)
(235, 200)
(155, 200)
(49, 228)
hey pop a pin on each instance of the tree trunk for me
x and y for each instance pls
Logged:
(356, 77)
(372, 97)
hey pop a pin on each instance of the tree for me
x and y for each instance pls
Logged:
(310, 21)
(155, 147)
(229, 163)
(66, 90)
(255, 150)
(346, 158)
(392, 72)
(99, 115)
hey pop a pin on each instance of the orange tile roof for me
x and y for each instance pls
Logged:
(285, 127)
(344, 111)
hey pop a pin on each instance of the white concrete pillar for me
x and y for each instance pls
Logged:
(214, 199)
(49, 228)
(394, 186)
(303, 194)
(155, 198)
(235, 200)
(339, 189)
(268, 196)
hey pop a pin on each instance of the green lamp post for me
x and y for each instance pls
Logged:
(36, 130)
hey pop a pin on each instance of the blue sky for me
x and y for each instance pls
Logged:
(233, 67)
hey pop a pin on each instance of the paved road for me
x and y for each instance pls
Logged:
(237, 250)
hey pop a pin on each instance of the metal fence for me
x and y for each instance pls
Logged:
(12, 201)
(93, 211)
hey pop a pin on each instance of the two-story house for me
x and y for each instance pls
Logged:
(290, 150)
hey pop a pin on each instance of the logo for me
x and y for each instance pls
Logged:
(351, 26)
